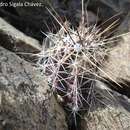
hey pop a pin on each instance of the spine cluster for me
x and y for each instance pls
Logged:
(71, 63)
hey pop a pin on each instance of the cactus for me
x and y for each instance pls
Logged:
(71, 61)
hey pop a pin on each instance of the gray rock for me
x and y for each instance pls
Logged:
(13, 39)
(118, 5)
(109, 112)
(117, 66)
(25, 99)
(107, 119)
(125, 25)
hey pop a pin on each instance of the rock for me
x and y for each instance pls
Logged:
(109, 112)
(117, 5)
(125, 25)
(26, 102)
(14, 40)
(107, 119)
(117, 66)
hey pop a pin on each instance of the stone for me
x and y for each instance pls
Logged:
(109, 111)
(14, 40)
(117, 65)
(26, 102)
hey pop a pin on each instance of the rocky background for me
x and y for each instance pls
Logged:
(26, 102)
